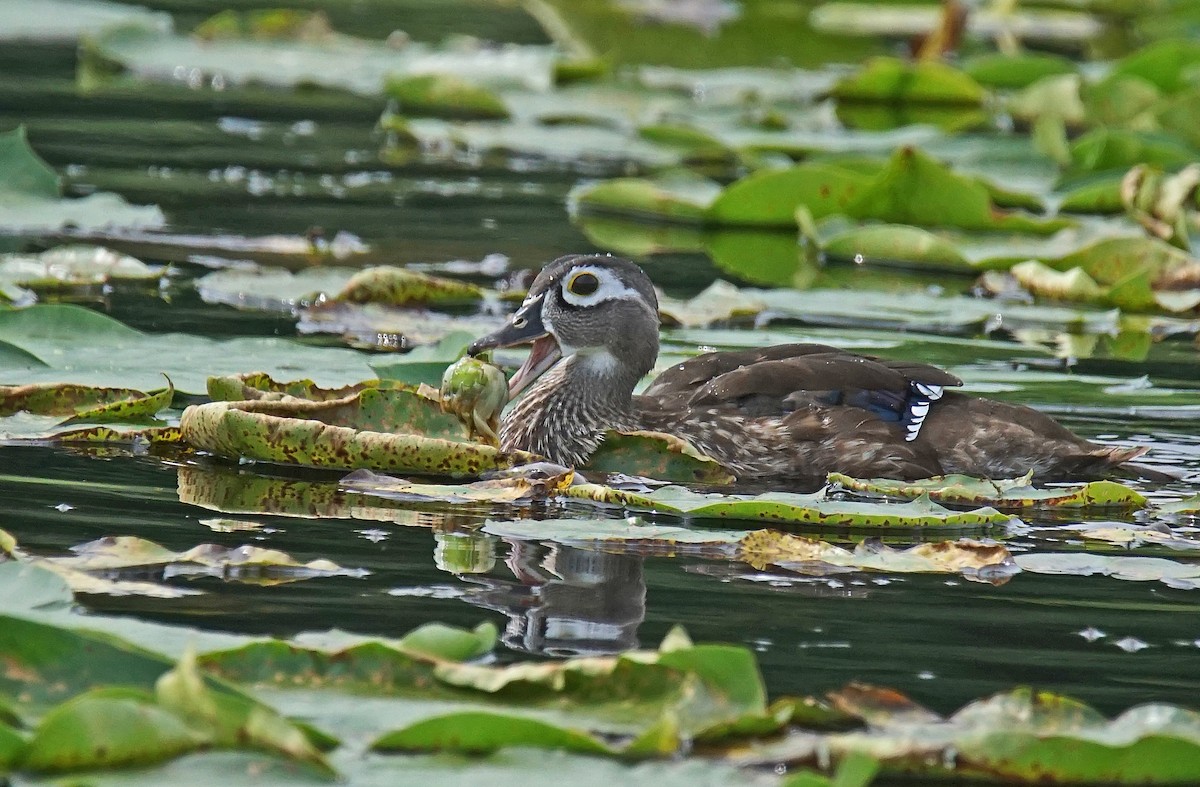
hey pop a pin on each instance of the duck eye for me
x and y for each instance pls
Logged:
(583, 284)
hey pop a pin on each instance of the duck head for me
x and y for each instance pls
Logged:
(597, 313)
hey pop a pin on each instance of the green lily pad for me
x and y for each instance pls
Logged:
(256, 565)
(769, 198)
(402, 287)
(439, 95)
(1174, 574)
(106, 728)
(30, 198)
(65, 21)
(1169, 65)
(792, 508)
(70, 267)
(656, 455)
(331, 60)
(1188, 505)
(119, 356)
(1014, 72)
(1012, 493)
(685, 200)
(477, 732)
(916, 189)
(883, 243)
(232, 430)
(887, 79)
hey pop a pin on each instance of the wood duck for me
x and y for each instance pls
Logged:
(788, 412)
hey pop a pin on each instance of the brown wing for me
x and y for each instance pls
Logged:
(790, 377)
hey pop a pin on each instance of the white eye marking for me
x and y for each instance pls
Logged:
(610, 288)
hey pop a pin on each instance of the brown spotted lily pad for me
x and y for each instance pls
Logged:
(791, 508)
(1011, 493)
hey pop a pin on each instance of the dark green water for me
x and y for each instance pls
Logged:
(942, 639)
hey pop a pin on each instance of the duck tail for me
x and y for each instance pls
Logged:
(1113, 455)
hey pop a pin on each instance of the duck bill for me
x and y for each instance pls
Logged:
(544, 354)
(524, 327)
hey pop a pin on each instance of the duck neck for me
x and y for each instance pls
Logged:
(564, 415)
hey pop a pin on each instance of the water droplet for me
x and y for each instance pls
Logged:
(63, 508)
(1091, 634)
(1131, 644)
(926, 675)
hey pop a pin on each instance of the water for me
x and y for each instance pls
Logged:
(944, 640)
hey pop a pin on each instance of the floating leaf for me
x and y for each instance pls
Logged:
(1188, 505)
(1181, 576)
(810, 509)
(769, 198)
(683, 200)
(440, 641)
(65, 21)
(119, 356)
(656, 455)
(515, 490)
(762, 548)
(890, 80)
(30, 201)
(228, 429)
(477, 732)
(1009, 493)
(1169, 65)
(439, 95)
(886, 243)
(244, 563)
(401, 287)
(916, 189)
(332, 60)
(1014, 72)
(106, 728)
(718, 302)
(76, 266)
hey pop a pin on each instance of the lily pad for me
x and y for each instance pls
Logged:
(252, 564)
(65, 21)
(30, 200)
(439, 95)
(1174, 574)
(400, 287)
(76, 266)
(119, 356)
(332, 60)
(792, 508)
(889, 80)
(1008, 494)
(476, 732)
(514, 490)
(233, 430)
(656, 455)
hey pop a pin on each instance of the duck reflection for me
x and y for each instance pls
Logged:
(562, 601)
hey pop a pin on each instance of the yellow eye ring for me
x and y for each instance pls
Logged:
(583, 283)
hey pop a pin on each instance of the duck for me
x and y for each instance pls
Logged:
(784, 413)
